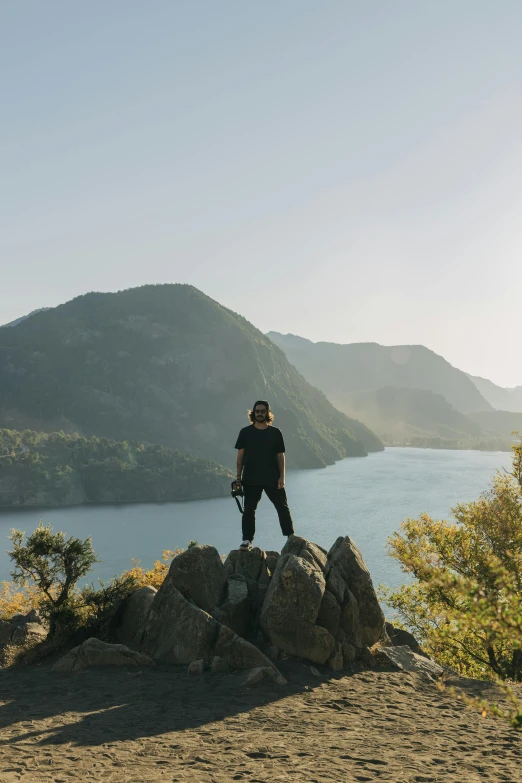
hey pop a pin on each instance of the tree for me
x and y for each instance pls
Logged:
(54, 565)
(465, 603)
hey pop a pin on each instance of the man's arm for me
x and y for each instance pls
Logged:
(281, 463)
(239, 463)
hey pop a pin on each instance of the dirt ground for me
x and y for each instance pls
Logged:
(164, 725)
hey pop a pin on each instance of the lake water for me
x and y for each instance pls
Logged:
(365, 498)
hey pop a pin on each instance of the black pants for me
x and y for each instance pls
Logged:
(252, 497)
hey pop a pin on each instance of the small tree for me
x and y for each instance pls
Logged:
(465, 603)
(54, 565)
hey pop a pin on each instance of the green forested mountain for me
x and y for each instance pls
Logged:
(163, 364)
(500, 398)
(40, 469)
(339, 370)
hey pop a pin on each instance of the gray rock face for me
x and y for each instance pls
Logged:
(199, 574)
(23, 628)
(406, 660)
(177, 631)
(329, 613)
(348, 561)
(94, 652)
(306, 550)
(291, 609)
(134, 616)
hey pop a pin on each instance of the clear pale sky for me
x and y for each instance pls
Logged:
(345, 171)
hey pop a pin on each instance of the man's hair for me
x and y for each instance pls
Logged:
(269, 415)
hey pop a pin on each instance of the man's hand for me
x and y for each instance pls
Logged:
(281, 483)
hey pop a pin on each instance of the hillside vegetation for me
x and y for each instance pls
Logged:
(54, 469)
(163, 364)
(500, 398)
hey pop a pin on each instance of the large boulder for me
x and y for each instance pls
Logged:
(94, 652)
(291, 609)
(306, 550)
(406, 660)
(199, 575)
(176, 630)
(134, 616)
(347, 559)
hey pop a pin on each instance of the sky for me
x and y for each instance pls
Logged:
(347, 171)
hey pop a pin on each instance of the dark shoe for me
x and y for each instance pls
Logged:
(246, 545)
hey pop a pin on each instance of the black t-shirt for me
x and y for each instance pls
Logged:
(261, 446)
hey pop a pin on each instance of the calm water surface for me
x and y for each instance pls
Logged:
(365, 498)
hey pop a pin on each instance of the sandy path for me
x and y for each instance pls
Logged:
(166, 726)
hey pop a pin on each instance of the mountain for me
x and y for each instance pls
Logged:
(498, 423)
(24, 317)
(339, 370)
(163, 364)
(401, 415)
(501, 399)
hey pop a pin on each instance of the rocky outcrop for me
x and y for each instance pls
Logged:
(94, 652)
(347, 561)
(319, 604)
(199, 575)
(178, 631)
(134, 616)
(23, 628)
(253, 608)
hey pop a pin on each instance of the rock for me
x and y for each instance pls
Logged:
(196, 667)
(199, 574)
(329, 613)
(336, 585)
(315, 672)
(335, 661)
(6, 632)
(28, 632)
(253, 677)
(219, 665)
(291, 608)
(257, 675)
(349, 620)
(271, 560)
(406, 660)
(176, 631)
(94, 652)
(251, 565)
(364, 654)
(134, 616)
(348, 561)
(273, 652)
(234, 612)
(349, 653)
(308, 551)
(399, 638)
(238, 653)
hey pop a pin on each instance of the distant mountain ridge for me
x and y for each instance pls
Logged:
(24, 317)
(408, 395)
(163, 364)
(342, 369)
(502, 399)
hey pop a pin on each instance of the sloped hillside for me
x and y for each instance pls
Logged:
(163, 364)
(339, 370)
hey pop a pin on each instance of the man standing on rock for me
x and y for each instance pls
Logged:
(261, 466)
